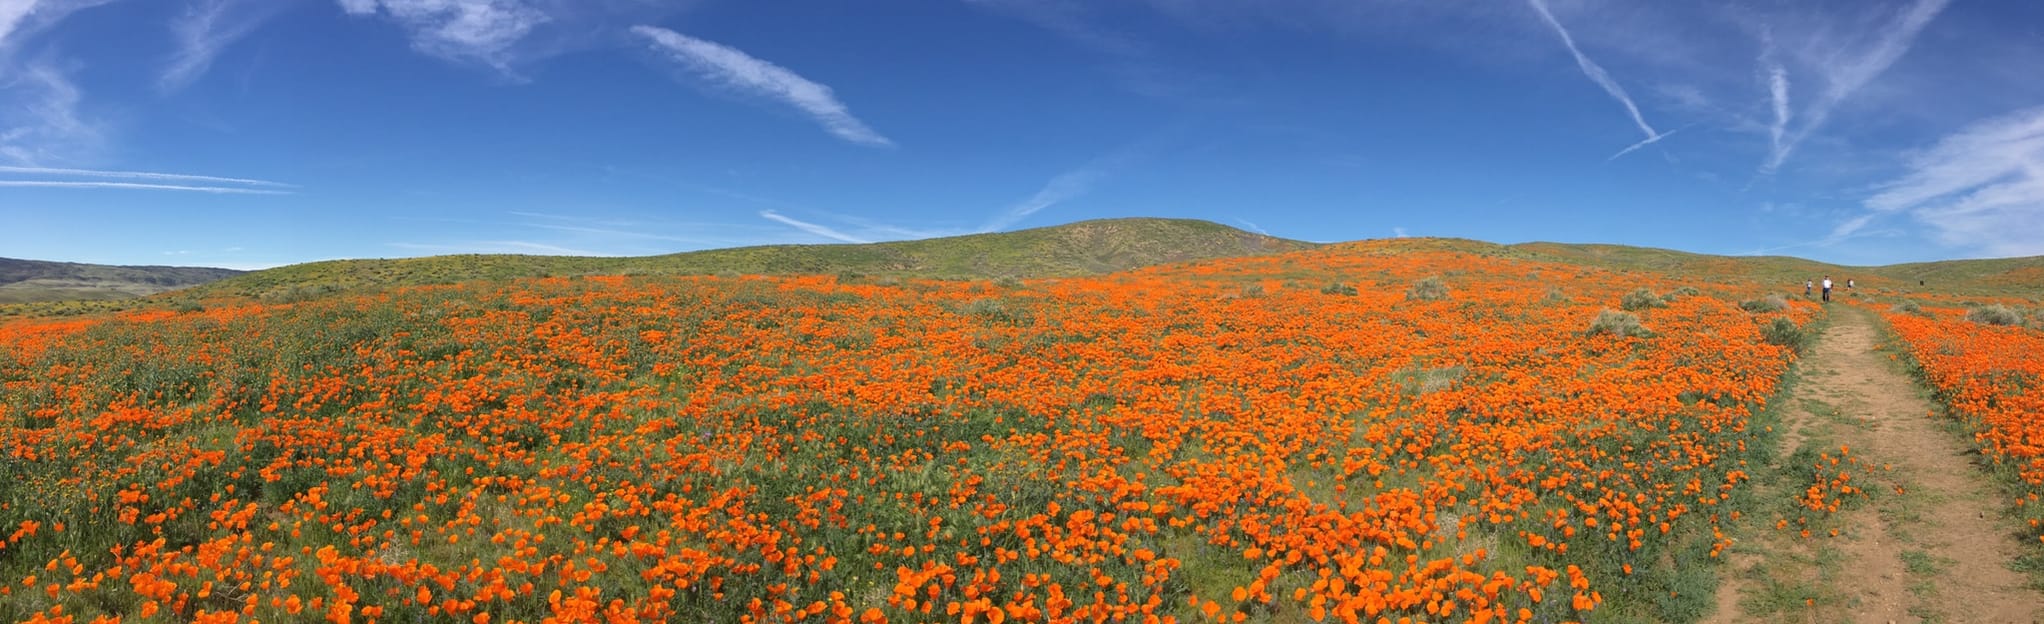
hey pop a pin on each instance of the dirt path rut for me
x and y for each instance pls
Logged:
(1931, 544)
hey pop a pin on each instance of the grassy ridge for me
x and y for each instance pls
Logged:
(2005, 276)
(1087, 247)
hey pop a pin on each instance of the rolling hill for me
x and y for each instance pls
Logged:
(1086, 247)
(1082, 248)
(25, 281)
(2008, 276)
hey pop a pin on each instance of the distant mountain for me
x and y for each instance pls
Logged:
(24, 281)
(1086, 247)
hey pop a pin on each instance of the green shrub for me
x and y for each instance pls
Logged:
(1640, 300)
(1784, 332)
(1995, 315)
(1008, 281)
(1770, 303)
(1254, 289)
(1429, 289)
(1338, 288)
(1618, 323)
(1685, 291)
(1908, 307)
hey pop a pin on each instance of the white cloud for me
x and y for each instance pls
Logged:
(494, 247)
(136, 175)
(41, 121)
(1777, 95)
(206, 29)
(141, 186)
(12, 12)
(1059, 189)
(812, 228)
(1399, 232)
(1981, 188)
(1071, 184)
(732, 69)
(18, 18)
(479, 31)
(1648, 141)
(1844, 69)
(1597, 74)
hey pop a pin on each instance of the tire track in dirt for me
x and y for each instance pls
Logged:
(1935, 550)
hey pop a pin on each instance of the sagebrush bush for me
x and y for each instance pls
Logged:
(1685, 291)
(1908, 307)
(1640, 300)
(1618, 323)
(1784, 332)
(1429, 289)
(1338, 288)
(1770, 303)
(1995, 315)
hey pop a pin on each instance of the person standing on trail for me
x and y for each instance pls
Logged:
(1848, 283)
(1827, 289)
(1806, 288)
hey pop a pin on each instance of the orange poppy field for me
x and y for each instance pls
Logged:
(1987, 377)
(1350, 433)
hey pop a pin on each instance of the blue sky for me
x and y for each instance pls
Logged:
(254, 133)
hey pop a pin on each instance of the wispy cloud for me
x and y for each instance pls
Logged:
(1981, 188)
(1778, 96)
(138, 186)
(12, 12)
(19, 18)
(812, 228)
(494, 247)
(1252, 227)
(478, 31)
(1061, 188)
(1132, 62)
(1597, 74)
(1070, 185)
(1843, 72)
(41, 121)
(1399, 232)
(1648, 141)
(204, 31)
(732, 69)
(137, 175)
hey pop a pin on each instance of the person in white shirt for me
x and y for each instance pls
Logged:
(1827, 289)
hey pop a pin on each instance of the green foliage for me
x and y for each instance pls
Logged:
(1083, 248)
(1429, 289)
(1783, 332)
(1641, 299)
(1908, 307)
(1770, 303)
(1338, 288)
(1616, 323)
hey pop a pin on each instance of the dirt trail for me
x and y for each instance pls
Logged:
(1935, 550)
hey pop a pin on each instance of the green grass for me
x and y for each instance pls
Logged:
(1086, 247)
(2021, 277)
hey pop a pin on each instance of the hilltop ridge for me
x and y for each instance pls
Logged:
(1081, 248)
